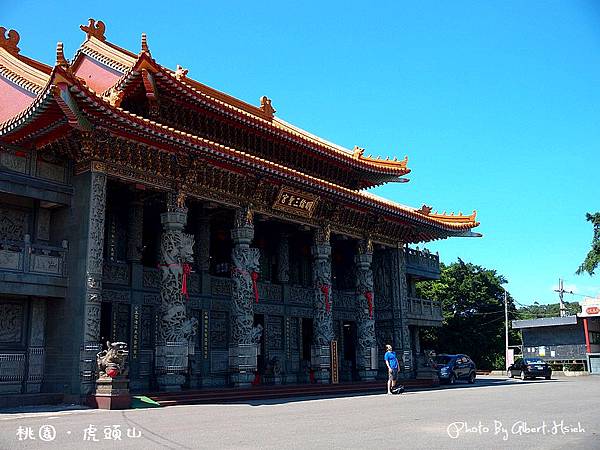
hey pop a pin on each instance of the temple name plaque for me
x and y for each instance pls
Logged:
(295, 202)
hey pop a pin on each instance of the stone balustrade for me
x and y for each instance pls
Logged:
(28, 258)
(424, 312)
(422, 263)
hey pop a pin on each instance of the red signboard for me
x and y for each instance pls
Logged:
(592, 310)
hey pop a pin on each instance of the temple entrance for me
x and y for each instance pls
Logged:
(348, 363)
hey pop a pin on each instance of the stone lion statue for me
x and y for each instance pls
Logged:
(112, 361)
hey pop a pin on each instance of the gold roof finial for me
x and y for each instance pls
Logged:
(95, 29)
(9, 43)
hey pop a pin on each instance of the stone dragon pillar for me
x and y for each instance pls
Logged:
(323, 319)
(366, 357)
(175, 329)
(94, 253)
(243, 343)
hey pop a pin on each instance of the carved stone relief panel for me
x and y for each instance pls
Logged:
(46, 264)
(151, 278)
(115, 273)
(382, 280)
(11, 161)
(49, 171)
(121, 322)
(43, 224)
(218, 329)
(38, 321)
(111, 295)
(274, 333)
(294, 334)
(13, 223)
(147, 327)
(12, 315)
(301, 296)
(270, 292)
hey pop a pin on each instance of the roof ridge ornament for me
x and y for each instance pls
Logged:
(425, 210)
(180, 73)
(61, 61)
(9, 43)
(145, 48)
(267, 107)
(94, 28)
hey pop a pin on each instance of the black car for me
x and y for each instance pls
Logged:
(529, 368)
(452, 368)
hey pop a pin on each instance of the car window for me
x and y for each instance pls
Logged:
(518, 362)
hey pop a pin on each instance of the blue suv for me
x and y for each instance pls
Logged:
(452, 368)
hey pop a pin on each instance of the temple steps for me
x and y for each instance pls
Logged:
(258, 393)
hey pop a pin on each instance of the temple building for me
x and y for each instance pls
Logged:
(222, 244)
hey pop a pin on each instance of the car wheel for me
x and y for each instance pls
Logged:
(522, 376)
(548, 377)
(472, 378)
(452, 379)
(509, 374)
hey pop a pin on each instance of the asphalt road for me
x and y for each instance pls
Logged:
(493, 413)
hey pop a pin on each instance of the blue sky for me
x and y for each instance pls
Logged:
(495, 103)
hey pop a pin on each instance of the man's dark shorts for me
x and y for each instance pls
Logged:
(393, 375)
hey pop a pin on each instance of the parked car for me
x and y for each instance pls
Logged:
(530, 368)
(452, 368)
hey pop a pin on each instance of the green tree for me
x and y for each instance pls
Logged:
(537, 311)
(472, 300)
(591, 261)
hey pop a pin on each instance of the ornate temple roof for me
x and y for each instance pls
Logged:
(87, 93)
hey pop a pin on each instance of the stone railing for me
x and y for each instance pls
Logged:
(422, 262)
(423, 309)
(38, 259)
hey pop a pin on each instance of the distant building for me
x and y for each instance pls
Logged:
(572, 339)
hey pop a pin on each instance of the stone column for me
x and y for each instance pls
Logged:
(367, 347)
(400, 309)
(244, 339)
(175, 329)
(94, 255)
(323, 319)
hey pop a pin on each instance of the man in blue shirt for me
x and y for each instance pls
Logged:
(392, 364)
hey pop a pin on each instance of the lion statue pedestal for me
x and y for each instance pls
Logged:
(112, 386)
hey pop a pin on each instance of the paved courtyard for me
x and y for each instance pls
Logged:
(493, 413)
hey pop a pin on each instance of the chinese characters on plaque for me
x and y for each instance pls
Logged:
(295, 202)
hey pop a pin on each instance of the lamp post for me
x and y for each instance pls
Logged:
(505, 330)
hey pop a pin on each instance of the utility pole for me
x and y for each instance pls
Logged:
(505, 330)
(561, 291)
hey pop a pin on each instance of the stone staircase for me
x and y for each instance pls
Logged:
(260, 393)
